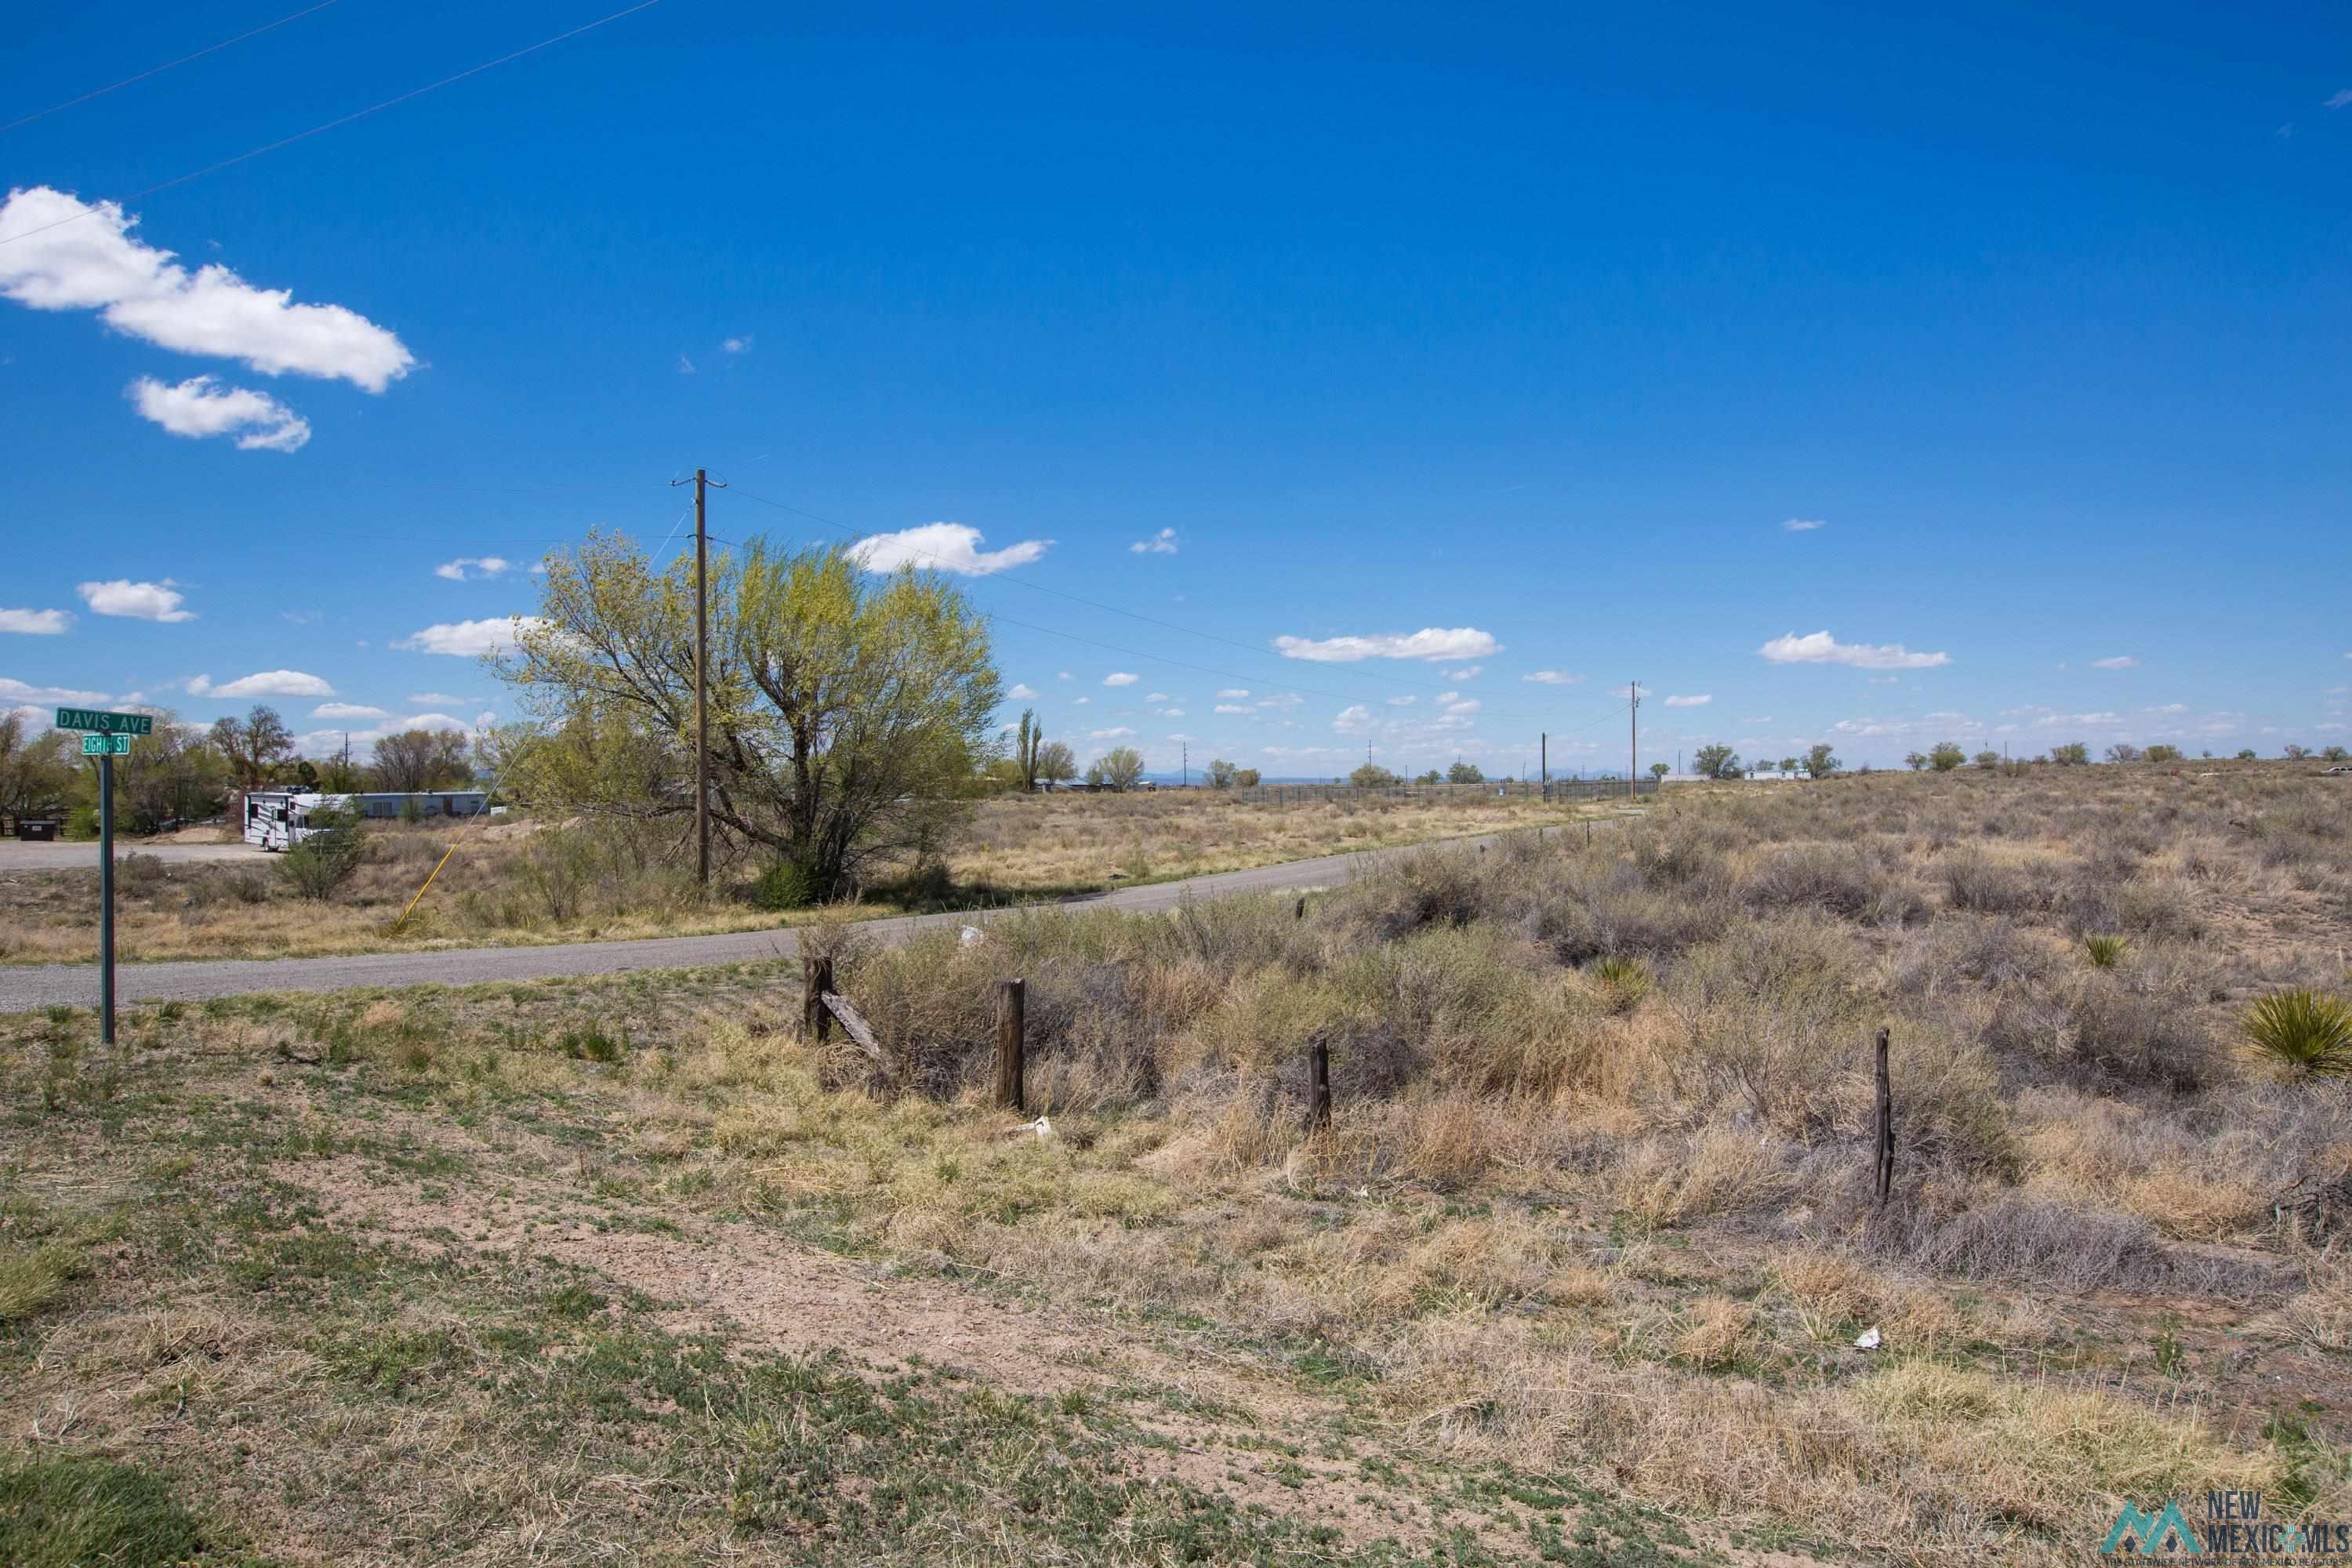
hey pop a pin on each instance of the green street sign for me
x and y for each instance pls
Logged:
(106, 723)
(105, 745)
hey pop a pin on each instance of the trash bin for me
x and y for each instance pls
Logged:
(40, 829)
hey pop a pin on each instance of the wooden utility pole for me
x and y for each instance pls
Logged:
(1633, 712)
(701, 678)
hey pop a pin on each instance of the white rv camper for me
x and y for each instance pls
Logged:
(280, 818)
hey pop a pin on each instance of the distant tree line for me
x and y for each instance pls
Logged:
(183, 773)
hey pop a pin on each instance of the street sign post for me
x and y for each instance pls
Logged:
(107, 736)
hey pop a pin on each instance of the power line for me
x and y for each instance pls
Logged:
(168, 64)
(341, 120)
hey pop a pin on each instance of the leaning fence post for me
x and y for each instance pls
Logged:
(1886, 1174)
(1319, 1103)
(1012, 1021)
(816, 979)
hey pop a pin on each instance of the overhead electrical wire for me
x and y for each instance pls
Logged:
(340, 120)
(159, 70)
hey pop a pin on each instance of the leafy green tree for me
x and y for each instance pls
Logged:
(1987, 758)
(2247, 754)
(176, 774)
(327, 857)
(2073, 755)
(422, 760)
(1660, 770)
(254, 745)
(1432, 777)
(1220, 775)
(2294, 752)
(36, 770)
(2334, 754)
(1820, 761)
(1464, 773)
(1946, 756)
(1120, 768)
(1915, 761)
(847, 710)
(1246, 777)
(1788, 764)
(2163, 754)
(2123, 751)
(1026, 747)
(1372, 776)
(1056, 764)
(1715, 762)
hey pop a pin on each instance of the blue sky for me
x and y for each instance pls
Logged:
(1433, 340)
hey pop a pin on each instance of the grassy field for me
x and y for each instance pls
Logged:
(628, 1269)
(524, 882)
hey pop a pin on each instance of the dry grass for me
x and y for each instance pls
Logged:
(1594, 1227)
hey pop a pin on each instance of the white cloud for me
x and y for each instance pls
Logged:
(1065, 675)
(741, 345)
(1431, 643)
(347, 710)
(1161, 543)
(1156, 696)
(438, 699)
(1403, 701)
(1626, 691)
(2121, 661)
(1552, 677)
(1823, 648)
(432, 721)
(1803, 524)
(2340, 99)
(1700, 700)
(35, 623)
(1354, 718)
(267, 683)
(468, 639)
(16, 691)
(1233, 693)
(1767, 718)
(1021, 692)
(200, 406)
(1118, 732)
(2171, 708)
(139, 601)
(942, 546)
(1886, 680)
(1467, 706)
(1120, 677)
(1233, 708)
(1080, 702)
(64, 254)
(2084, 721)
(1181, 737)
(1468, 672)
(1172, 714)
(466, 566)
(684, 365)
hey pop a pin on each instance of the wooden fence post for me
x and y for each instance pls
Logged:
(1886, 1174)
(816, 979)
(1319, 1103)
(1300, 914)
(1012, 1021)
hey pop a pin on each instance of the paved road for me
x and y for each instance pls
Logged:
(24, 987)
(18, 855)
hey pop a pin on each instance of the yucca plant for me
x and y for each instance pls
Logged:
(2303, 1030)
(1623, 981)
(2105, 950)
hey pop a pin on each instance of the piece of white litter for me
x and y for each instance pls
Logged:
(1868, 1339)
(1043, 1128)
(971, 936)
